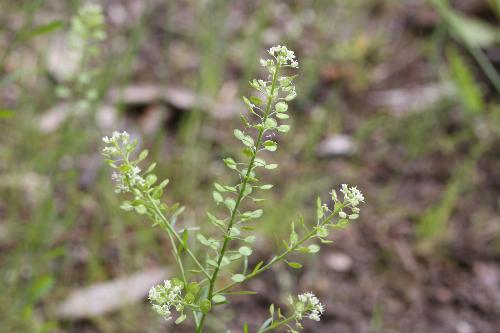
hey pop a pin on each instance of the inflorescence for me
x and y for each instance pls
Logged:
(165, 296)
(118, 151)
(198, 296)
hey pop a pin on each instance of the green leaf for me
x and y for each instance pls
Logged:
(6, 113)
(266, 187)
(321, 232)
(248, 141)
(143, 155)
(202, 239)
(245, 251)
(259, 162)
(218, 298)
(270, 145)
(248, 103)
(180, 319)
(270, 123)
(313, 248)
(151, 179)
(283, 128)
(244, 121)
(234, 257)
(193, 288)
(163, 184)
(141, 209)
(215, 220)
(472, 32)
(219, 187)
(295, 265)
(282, 116)
(291, 96)
(217, 197)
(45, 29)
(294, 238)
(127, 206)
(271, 166)
(259, 265)
(249, 239)
(230, 163)
(239, 134)
(151, 168)
(281, 107)
(252, 214)
(205, 306)
(319, 209)
(255, 100)
(469, 91)
(238, 278)
(230, 203)
(40, 288)
(235, 232)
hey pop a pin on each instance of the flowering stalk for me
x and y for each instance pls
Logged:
(306, 305)
(281, 60)
(130, 179)
(200, 294)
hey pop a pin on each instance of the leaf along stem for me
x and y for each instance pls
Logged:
(277, 324)
(234, 211)
(276, 259)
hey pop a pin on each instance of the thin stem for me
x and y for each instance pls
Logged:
(234, 211)
(282, 255)
(486, 66)
(179, 239)
(278, 324)
(178, 258)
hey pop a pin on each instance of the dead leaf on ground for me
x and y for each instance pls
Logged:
(179, 98)
(109, 296)
(336, 145)
(406, 100)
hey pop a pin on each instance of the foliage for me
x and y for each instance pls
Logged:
(231, 247)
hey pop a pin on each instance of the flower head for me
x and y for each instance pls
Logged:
(127, 176)
(165, 296)
(307, 305)
(352, 196)
(284, 56)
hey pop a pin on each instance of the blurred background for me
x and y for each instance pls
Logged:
(400, 98)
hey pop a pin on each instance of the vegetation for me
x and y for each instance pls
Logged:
(399, 98)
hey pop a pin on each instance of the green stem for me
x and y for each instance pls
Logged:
(178, 258)
(278, 324)
(234, 211)
(281, 256)
(177, 236)
(486, 66)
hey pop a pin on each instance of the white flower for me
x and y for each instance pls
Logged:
(308, 305)
(284, 56)
(164, 297)
(352, 196)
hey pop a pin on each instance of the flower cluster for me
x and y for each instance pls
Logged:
(87, 28)
(307, 305)
(352, 198)
(284, 56)
(165, 296)
(118, 150)
(86, 33)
